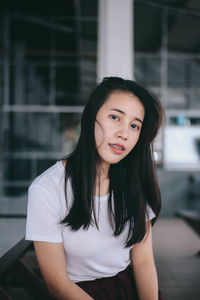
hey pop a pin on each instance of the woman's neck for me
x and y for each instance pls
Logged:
(102, 181)
(102, 187)
(102, 170)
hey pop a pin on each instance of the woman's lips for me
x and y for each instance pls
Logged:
(116, 148)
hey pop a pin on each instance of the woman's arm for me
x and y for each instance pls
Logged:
(52, 264)
(144, 268)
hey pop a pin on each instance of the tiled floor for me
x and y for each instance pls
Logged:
(11, 232)
(175, 248)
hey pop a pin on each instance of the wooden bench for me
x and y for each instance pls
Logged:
(20, 274)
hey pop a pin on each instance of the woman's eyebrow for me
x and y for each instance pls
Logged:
(122, 112)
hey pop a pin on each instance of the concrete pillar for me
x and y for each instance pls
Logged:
(115, 39)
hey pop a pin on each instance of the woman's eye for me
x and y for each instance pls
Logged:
(114, 117)
(134, 126)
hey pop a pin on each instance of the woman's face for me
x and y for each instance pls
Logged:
(118, 126)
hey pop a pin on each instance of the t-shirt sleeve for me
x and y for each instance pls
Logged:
(43, 216)
(149, 213)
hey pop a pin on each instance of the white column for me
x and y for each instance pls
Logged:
(115, 39)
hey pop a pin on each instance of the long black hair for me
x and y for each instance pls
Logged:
(133, 181)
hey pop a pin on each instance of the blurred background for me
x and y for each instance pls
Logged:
(51, 59)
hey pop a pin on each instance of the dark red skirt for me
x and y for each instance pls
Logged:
(118, 287)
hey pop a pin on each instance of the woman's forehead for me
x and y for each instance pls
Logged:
(124, 103)
(123, 100)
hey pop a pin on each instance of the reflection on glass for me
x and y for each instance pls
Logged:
(182, 147)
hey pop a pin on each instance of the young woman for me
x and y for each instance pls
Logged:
(90, 215)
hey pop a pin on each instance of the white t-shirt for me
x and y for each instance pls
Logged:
(89, 254)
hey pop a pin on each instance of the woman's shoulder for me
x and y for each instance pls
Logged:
(48, 190)
(51, 177)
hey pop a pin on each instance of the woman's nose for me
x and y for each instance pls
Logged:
(123, 132)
